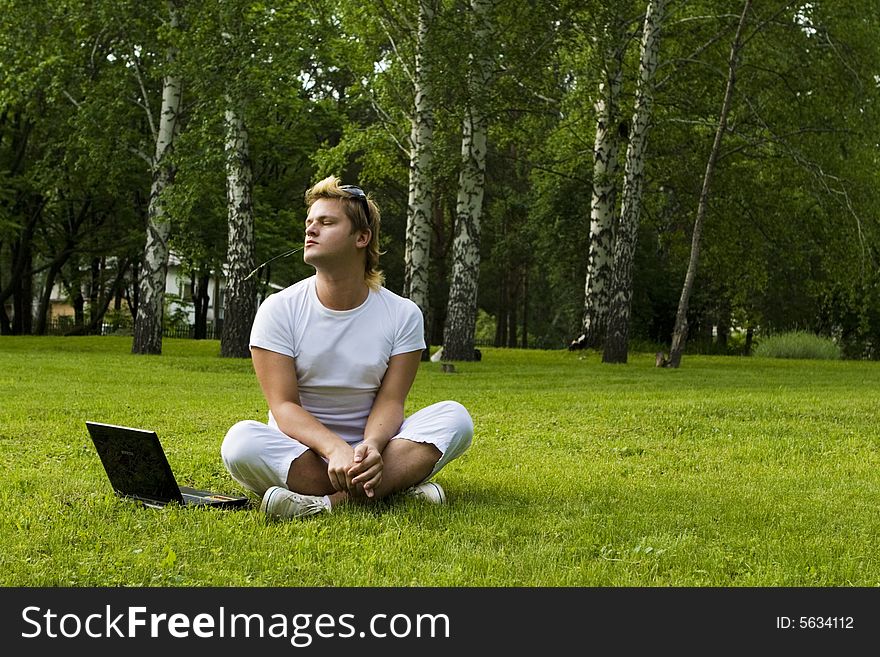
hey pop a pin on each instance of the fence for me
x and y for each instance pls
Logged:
(66, 326)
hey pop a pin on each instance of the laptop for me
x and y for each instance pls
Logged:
(138, 469)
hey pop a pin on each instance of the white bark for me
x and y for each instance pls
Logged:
(602, 206)
(240, 303)
(461, 313)
(617, 337)
(417, 256)
(151, 301)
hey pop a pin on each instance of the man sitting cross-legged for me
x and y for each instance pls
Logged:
(336, 355)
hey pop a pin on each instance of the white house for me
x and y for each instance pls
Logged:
(178, 286)
(178, 290)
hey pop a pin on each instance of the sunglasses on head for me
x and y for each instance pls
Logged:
(359, 194)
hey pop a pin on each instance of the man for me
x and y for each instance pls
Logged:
(336, 355)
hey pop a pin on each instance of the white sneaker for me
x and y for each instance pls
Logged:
(428, 491)
(279, 502)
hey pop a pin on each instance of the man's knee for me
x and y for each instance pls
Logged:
(308, 475)
(460, 422)
(239, 446)
(419, 454)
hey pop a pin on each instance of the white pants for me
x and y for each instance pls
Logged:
(259, 455)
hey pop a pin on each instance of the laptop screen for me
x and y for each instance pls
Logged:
(135, 463)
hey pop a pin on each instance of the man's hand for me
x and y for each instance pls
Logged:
(366, 471)
(338, 463)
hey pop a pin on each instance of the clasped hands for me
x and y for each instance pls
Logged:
(357, 471)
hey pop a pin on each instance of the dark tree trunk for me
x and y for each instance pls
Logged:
(525, 311)
(511, 314)
(132, 294)
(79, 310)
(723, 335)
(96, 287)
(22, 304)
(201, 302)
(501, 315)
(46, 298)
(5, 323)
(97, 312)
(20, 250)
(750, 337)
(72, 232)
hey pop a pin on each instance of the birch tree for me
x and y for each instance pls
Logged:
(617, 338)
(679, 334)
(604, 195)
(254, 85)
(417, 256)
(240, 302)
(151, 299)
(461, 313)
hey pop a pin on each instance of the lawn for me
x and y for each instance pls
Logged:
(727, 472)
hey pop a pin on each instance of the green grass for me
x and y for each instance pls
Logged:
(726, 472)
(800, 345)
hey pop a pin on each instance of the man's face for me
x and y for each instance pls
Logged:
(329, 236)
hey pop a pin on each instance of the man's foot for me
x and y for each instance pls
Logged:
(428, 491)
(279, 502)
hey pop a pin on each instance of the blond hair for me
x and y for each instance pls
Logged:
(355, 211)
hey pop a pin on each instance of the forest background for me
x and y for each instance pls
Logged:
(619, 172)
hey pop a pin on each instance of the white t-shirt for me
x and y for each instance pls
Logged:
(341, 355)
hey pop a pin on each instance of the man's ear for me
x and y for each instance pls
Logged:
(363, 239)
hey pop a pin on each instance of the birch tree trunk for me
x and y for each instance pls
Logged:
(240, 300)
(461, 310)
(679, 334)
(617, 336)
(602, 206)
(417, 256)
(151, 298)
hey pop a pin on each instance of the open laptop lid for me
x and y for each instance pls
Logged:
(135, 463)
(137, 468)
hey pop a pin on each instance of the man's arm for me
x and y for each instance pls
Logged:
(386, 415)
(277, 376)
(384, 421)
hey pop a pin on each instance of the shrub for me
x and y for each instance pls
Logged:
(798, 344)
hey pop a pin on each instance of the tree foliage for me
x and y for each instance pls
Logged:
(790, 235)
